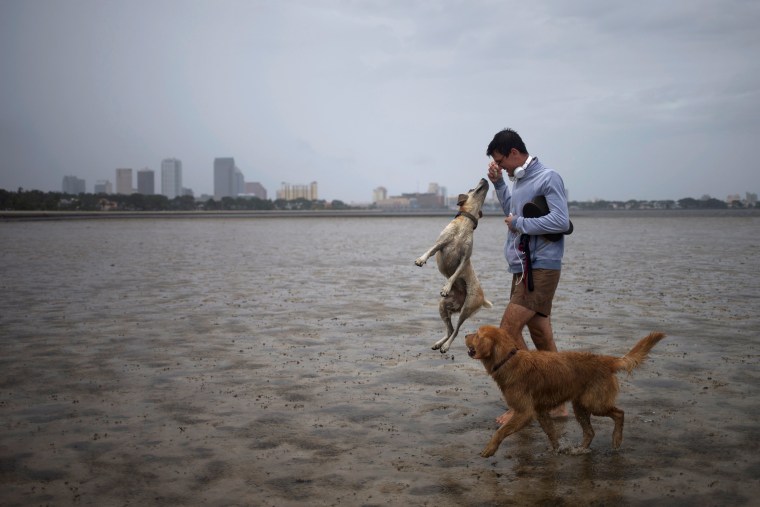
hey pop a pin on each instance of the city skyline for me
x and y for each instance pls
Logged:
(240, 187)
(290, 191)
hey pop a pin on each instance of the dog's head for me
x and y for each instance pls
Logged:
(472, 201)
(480, 344)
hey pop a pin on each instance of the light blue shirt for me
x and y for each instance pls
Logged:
(538, 180)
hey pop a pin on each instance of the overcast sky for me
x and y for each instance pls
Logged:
(626, 100)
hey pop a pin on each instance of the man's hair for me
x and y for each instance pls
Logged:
(504, 141)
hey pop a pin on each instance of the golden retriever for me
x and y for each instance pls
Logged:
(533, 382)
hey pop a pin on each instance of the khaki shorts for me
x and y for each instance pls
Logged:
(545, 283)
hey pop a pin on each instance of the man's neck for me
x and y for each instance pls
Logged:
(522, 159)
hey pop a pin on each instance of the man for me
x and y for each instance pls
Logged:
(531, 179)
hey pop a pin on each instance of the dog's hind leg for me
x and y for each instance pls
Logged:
(442, 345)
(548, 426)
(468, 309)
(583, 417)
(618, 416)
(446, 342)
(445, 308)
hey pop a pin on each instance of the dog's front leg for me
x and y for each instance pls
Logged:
(458, 272)
(422, 259)
(519, 421)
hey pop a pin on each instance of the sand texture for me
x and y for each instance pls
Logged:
(287, 362)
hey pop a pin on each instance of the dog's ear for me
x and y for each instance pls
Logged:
(498, 334)
(489, 330)
(462, 199)
(494, 334)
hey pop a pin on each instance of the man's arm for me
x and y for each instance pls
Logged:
(558, 219)
(503, 194)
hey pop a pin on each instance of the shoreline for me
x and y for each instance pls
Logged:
(13, 216)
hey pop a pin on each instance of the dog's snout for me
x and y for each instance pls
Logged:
(471, 352)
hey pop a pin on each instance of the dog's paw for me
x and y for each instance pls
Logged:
(420, 262)
(488, 451)
(573, 451)
(445, 291)
(444, 349)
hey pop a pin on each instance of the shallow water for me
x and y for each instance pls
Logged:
(287, 361)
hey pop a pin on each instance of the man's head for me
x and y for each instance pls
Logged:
(508, 150)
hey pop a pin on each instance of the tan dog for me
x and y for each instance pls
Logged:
(462, 292)
(534, 382)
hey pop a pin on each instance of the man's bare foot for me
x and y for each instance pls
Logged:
(504, 418)
(559, 412)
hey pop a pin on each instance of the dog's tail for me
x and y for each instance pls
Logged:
(638, 353)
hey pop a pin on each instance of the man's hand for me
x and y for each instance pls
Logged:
(510, 221)
(494, 173)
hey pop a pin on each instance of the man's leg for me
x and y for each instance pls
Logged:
(541, 333)
(514, 320)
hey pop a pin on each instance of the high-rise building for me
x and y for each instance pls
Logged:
(239, 182)
(73, 185)
(146, 182)
(256, 189)
(124, 181)
(435, 188)
(225, 182)
(171, 177)
(379, 194)
(291, 192)
(103, 187)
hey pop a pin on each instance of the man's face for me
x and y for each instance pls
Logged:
(507, 161)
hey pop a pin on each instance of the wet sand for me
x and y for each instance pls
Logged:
(287, 362)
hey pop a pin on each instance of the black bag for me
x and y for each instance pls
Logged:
(538, 208)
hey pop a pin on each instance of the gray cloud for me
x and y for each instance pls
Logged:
(626, 100)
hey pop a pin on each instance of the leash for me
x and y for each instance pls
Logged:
(504, 361)
(527, 266)
(470, 216)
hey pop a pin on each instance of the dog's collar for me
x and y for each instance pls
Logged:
(504, 361)
(470, 216)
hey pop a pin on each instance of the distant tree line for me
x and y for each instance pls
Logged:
(36, 200)
(685, 203)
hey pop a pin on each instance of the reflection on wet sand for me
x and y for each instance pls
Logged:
(256, 362)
